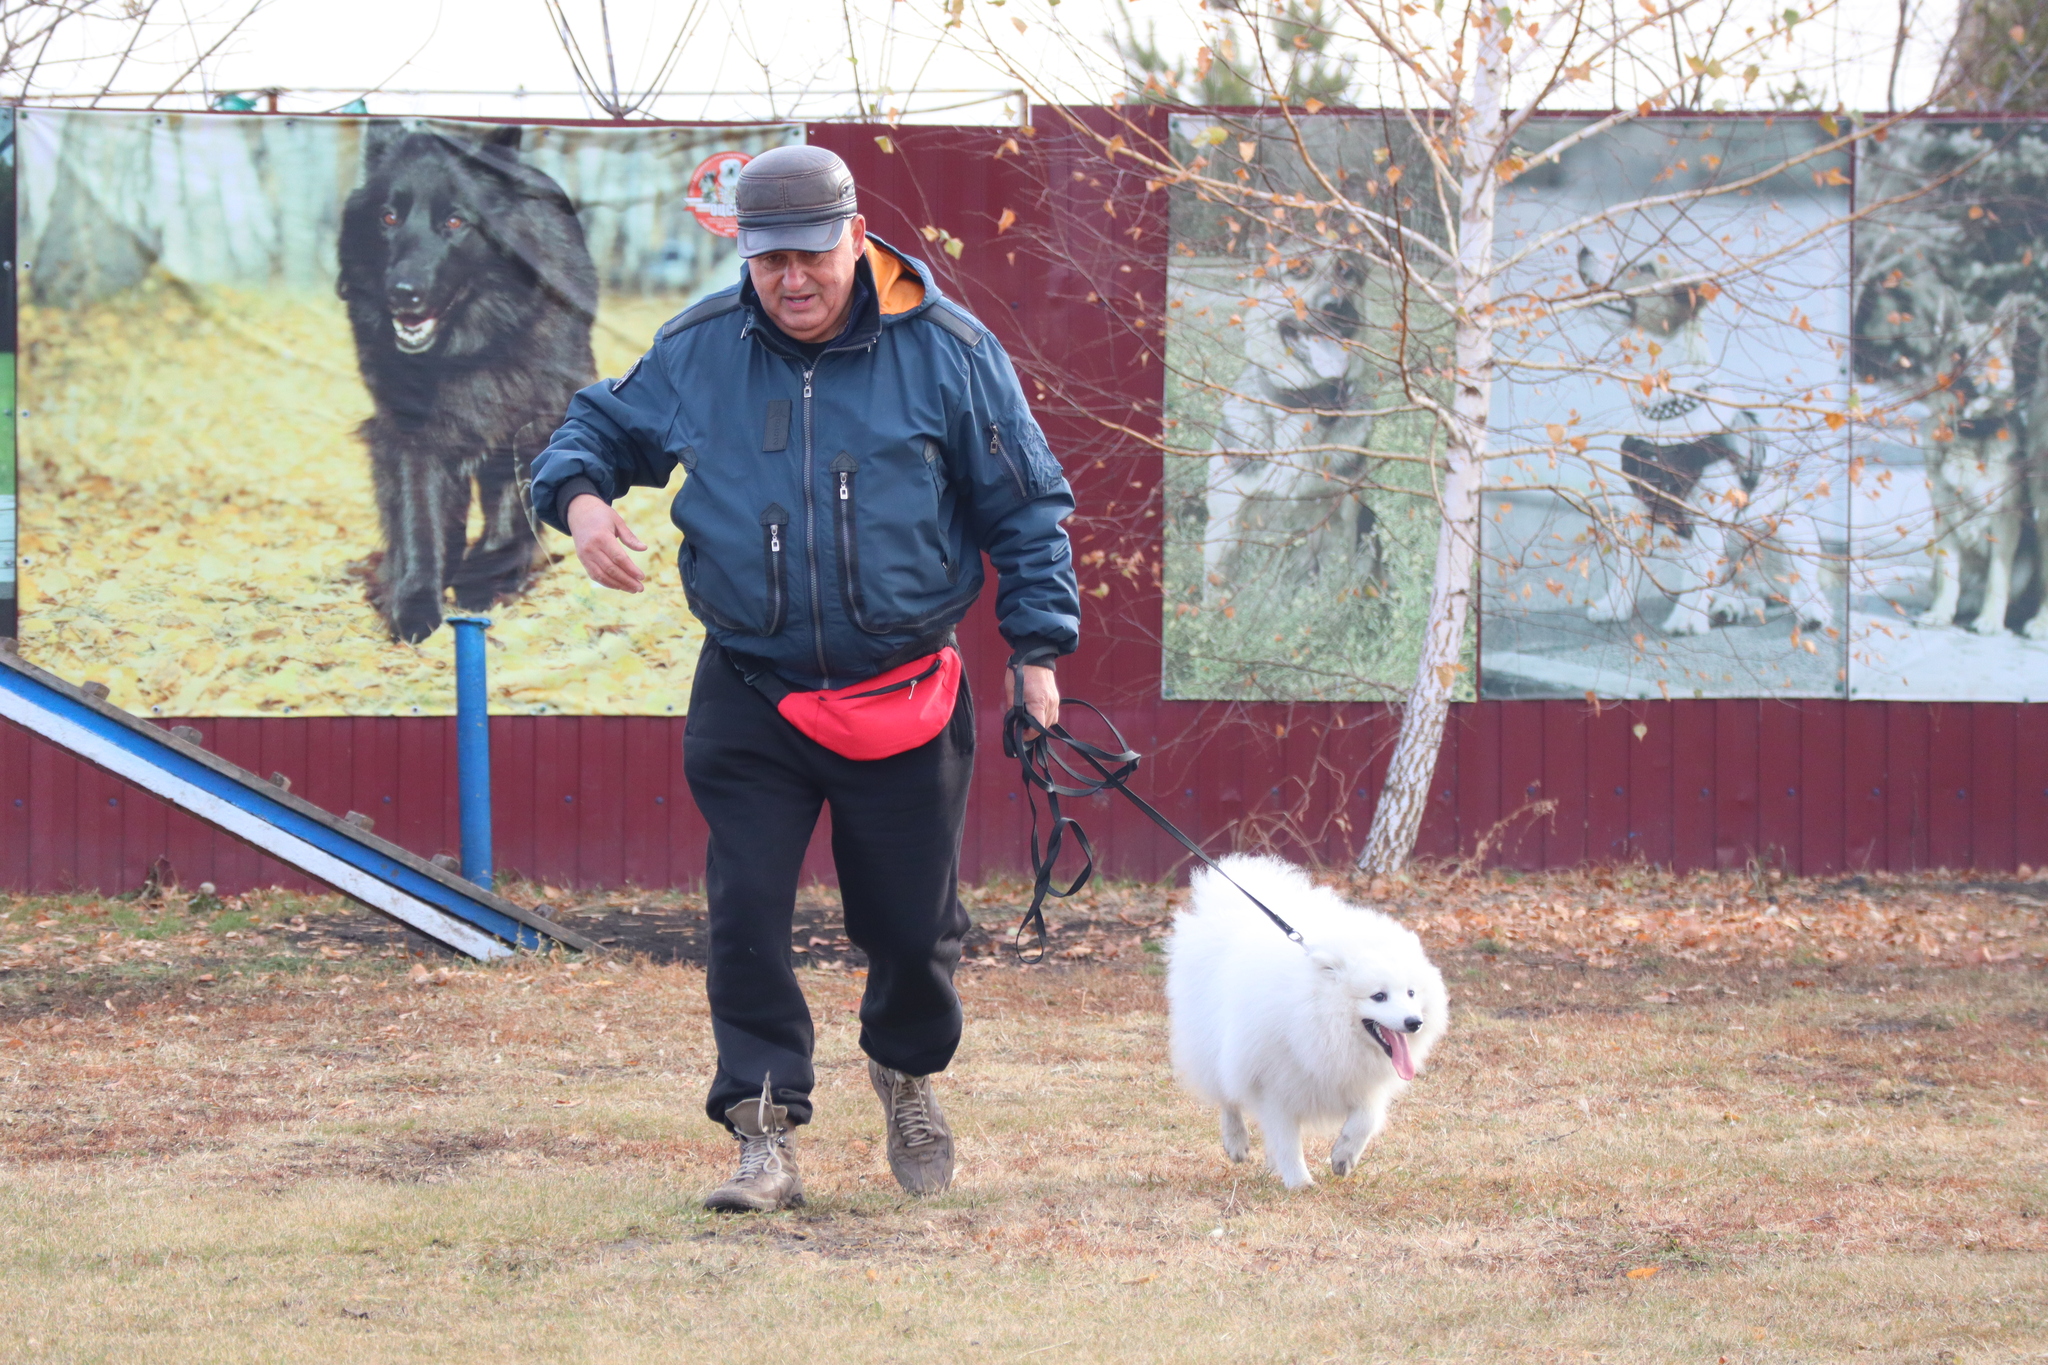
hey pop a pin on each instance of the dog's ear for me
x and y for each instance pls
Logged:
(506, 138)
(1589, 268)
(1329, 959)
(380, 135)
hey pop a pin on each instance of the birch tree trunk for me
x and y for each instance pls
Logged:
(1476, 150)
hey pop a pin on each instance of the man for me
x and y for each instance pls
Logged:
(853, 443)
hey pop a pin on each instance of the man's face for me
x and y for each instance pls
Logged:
(808, 293)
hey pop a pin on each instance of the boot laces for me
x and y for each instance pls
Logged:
(910, 1110)
(761, 1152)
(760, 1155)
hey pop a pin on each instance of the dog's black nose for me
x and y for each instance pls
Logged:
(404, 295)
(1411, 1023)
(1339, 316)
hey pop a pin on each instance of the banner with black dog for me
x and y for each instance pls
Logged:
(282, 379)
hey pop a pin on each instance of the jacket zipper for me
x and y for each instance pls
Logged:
(772, 522)
(936, 470)
(811, 538)
(843, 470)
(997, 449)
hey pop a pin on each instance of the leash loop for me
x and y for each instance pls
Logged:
(1045, 769)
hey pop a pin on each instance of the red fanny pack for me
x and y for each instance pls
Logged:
(887, 715)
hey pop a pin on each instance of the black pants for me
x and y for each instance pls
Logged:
(896, 842)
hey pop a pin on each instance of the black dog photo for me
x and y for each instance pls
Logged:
(471, 295)
(248, 492)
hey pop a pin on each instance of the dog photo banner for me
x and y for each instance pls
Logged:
(281, 381)
(1301, 528)
(8, 466)
(1946, 578)
(1666, 511)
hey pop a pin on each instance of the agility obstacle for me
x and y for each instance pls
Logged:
(436, 901)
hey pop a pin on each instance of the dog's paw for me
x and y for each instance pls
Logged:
(474, 595)
(415, 617)
(1732, 608)
(1687, 620)
(1988, 623)
(1237, 1142)
(2037, 629)
(1345, 1153)
(487, 577)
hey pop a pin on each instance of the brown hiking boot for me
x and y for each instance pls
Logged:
(767, 1178)
(920, 1143)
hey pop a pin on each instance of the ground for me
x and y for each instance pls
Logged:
(1727, 1118)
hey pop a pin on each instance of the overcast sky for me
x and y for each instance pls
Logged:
(788, 58)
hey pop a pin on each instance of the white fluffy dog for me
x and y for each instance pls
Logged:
(1327, 1030)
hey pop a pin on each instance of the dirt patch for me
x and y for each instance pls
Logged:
(1925, 1023)
(1569, 1009)
(671, 927)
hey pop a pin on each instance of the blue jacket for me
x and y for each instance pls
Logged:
(835, 510)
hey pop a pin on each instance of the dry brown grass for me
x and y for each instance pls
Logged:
(304, 1142)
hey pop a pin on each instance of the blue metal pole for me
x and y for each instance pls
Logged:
(473, 746)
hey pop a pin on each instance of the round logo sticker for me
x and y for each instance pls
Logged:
(713, 193)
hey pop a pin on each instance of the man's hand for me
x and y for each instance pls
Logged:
(1042, 695)
(602, 539)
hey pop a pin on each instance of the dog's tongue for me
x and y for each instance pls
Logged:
(1404, 1065)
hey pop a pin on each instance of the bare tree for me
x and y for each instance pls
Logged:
(94, 51)
(594, 58)
(1399, 267)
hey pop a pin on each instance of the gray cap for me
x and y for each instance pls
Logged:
(794, 199)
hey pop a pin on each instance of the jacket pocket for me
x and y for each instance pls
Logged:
(846, 531)
(893, 577)
(1021, 447)
(942, 507)
(693, 593)
(1001, 450)
(774, 614)
(775, 556)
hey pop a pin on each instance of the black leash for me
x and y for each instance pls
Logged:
(1031, 744)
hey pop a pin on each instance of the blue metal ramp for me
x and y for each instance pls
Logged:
(383, 876)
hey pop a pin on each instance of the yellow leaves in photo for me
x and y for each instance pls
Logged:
(197, 519)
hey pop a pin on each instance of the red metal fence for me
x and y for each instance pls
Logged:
(1814, 786)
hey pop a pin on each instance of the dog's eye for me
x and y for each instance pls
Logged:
(390, 218)
(452, 221)
(1381, 998)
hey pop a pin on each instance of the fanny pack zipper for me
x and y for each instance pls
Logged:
(938, 660)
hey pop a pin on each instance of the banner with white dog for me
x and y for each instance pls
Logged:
(283, 378)
(1667, 503)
